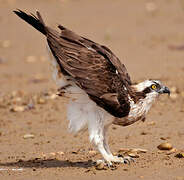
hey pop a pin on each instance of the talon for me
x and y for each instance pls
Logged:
(128, 159)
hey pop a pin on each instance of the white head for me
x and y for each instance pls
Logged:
(151, 88)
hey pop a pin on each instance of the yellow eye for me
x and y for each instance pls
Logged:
(153, 87)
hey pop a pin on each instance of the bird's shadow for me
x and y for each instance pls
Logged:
(47, 163)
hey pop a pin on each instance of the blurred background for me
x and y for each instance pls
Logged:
(140, 33)
(146, 35)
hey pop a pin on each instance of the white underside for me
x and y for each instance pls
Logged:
(82, 112)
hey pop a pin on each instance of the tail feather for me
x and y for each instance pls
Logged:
(36, 22)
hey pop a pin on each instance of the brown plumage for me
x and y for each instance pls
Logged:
(94, 67)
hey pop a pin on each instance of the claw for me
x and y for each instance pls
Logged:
(127, 160)
(106, 163)
(115, 160)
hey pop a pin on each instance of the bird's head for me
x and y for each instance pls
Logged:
(152, 88)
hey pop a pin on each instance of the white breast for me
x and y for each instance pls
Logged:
(141, 108)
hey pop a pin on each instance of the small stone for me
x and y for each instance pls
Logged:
(173, 89)
(43, 155)
(163, 138)
(92, 153)
(180, 155)
(53, 96)
(28, 136)
(173, 150)
(31, 59)
(75, 152)
(17, 109)
(152, 123)
(52, 154)
(144, 133)
(133, 155)
(165, 146)
(174, 96)
(100, 166)
(41, 101)
(123, 150)
(139, 150)
(132, 150)
(60, 153)
(151, 7)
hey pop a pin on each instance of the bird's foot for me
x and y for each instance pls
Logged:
(123, 160)
(104, 162)
(115, 160)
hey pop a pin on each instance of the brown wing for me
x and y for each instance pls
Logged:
(94, 68)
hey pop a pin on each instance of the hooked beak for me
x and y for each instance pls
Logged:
(164, 90)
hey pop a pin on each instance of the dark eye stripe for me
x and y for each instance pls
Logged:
(147, 90)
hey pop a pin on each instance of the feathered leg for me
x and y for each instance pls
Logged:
(97, 134)
(113, 158)
(105, 141)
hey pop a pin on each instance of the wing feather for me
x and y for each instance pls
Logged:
(94, 69)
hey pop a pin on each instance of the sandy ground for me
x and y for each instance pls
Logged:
(146, 35)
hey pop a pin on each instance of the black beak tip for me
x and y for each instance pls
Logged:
(166, 90)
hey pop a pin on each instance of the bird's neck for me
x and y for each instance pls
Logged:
(141, 107)
(138, 110)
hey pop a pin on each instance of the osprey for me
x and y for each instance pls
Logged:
(100, 89)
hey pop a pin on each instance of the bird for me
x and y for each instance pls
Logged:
(98, 84)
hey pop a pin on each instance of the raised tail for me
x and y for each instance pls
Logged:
(36, 22)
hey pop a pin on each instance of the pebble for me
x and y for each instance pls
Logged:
(152, 123)
(139, 150)
(31, 59)
(17, 109)
(53, 96)
(133, 150)
(100, 166)
(133, 155)
(165, 146)
(41, 101)
(28, 136)
(52, 154)
(180, 155)
(173, 96)
(60, 153)
(173, 150)
(151, 7)
(92, 153)
(173, 89)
